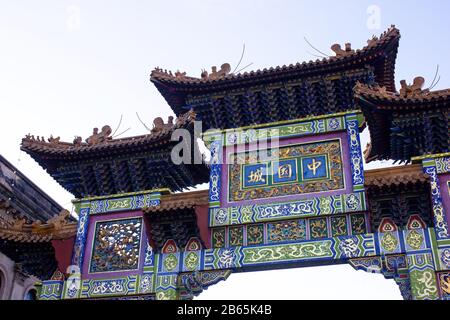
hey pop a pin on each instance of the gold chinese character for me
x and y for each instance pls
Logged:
(285, 171)
(314, 165)
(256, 176)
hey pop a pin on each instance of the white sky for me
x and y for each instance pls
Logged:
(69, 66)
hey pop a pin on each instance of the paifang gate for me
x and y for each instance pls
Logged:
(287, 185)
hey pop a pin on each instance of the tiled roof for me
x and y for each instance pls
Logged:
(24, 197)
(403, 125)
(17, 230)
(180, 201)
(395, 176)
(54, 147)
(392, 100)
(375, 48)
(103, 166)
(223, 100)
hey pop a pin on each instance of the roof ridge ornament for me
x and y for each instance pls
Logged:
(60, 220)
(372, 41)
(180, 74)
(103, 136)
(159, 125)
(414, 89)
(52, 140)
(337, 49)
(225, 70)
(379, 89)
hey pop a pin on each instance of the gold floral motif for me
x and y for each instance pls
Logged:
(116, 245)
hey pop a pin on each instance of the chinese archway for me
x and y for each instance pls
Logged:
(287, 186)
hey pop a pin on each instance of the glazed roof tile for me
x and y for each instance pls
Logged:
(394, 100)
(17, 230)
(55, 148)
(180, 201)
(374, 49)
(395, 176)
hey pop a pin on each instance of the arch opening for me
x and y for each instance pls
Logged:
(331, 282)
(31, 294)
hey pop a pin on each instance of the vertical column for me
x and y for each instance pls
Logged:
(168, 267)
(352, 124)
(147, 278)
(72, 287)
(440, 237)
(52, 289)
(216, 148)
(216, 170)
(80, 240)
(440, 223)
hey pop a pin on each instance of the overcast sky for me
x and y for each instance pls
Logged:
(69, 66)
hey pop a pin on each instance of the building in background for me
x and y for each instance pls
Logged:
(35, 235)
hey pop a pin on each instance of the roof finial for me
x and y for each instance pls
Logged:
(414, 89)
(159, 125)
(340, 52)
(101, 137)
(225, 69)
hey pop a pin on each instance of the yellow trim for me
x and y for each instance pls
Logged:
(431, 156)
(279, 123)
(120, 195)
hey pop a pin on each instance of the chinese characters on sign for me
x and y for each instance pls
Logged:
(303, 168)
